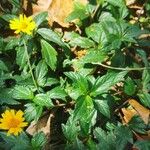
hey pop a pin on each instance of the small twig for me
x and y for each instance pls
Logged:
(29, 64)
(1, 8)
(60, 105)
(118, 93)
(120, 106)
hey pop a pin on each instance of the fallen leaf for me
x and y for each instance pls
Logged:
(143, 112)
(128, 114)
(130, 2)
(42, 125)
(58, 10)
(144, 36)
(42, 5)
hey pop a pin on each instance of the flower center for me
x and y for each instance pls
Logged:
(23, 25)
(13, 123)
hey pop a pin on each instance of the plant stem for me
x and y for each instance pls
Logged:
(123, 69)
(95, 11)
(29, 64)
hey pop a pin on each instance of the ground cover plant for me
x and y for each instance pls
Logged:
(74, 75)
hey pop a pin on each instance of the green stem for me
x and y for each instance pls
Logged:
(29, 64)
(123, 69)
(95, 11)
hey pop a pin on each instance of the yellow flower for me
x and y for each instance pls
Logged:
(22, 24)
(12, 121)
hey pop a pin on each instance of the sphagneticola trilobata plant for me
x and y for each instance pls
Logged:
(85, 87)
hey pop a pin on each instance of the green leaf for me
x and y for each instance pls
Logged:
(106, 16)
(145, 98)
(79, 145)
(81, 67)
(104, 83)
(123, 136)
(40, 72)
(123, 11)
(101, 2)
(2, 44)
(95, 31)
(33, 112)
(106, 140)
(77, 40)
(76, 144)
(16, 5)
(70, 129)
(116, 41)
(41, 17)
(102, 138)
(90, 8)
(118, 3)
(38, 141)
(130, 33)
(4, 77)
(51, 81)
(118, 60)
(57, 93)
(91, 144)
(83, 108)
(13, 42)
(86, 123)
(24, 79)
(49, 54)
(22, 92)
(7, 17)
(21, 142)
(79, 12)
(143, 55)
(146, 80)
(83, 42)
(116, 33)
(129, 87)
(3, 66)
(94, 57)
(103, 107)
(135, 31)
(80, 82)
(21, 57)
(43, 100)
(6, 97)
(50, 35)
(137, 124)
(142, 145)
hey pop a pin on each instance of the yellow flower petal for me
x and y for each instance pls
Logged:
(19, 113)
(12, 121)
(24, 124)
(22, 24)
(12, 112)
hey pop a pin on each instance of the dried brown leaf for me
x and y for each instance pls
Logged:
(58, 10)
(42, 5)
(130, 2)
(42, 125)
(128, 114)
(143, 112)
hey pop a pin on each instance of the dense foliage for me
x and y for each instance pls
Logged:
(81, 79)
